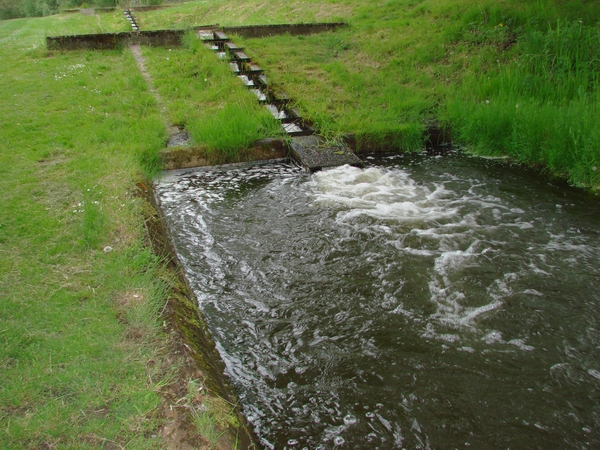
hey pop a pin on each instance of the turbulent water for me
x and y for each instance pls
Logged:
(417, 303)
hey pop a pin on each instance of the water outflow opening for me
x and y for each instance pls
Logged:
(418, 302)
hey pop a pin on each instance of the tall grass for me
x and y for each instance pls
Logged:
(542, 106)
(232, 128)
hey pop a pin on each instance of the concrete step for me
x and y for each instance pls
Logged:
(262, 97)
(252, 76)
(253, 69)
(292, 129)
(206, 35)
(276, 112)
(315, 153)
(220, 36)
(231, 47)
(240, 56)
(247, 81)
(262, 81)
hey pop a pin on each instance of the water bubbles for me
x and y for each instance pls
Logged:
(350, 420)
(376, 260)
(594, 373)
(338, 440)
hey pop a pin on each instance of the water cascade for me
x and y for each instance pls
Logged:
(415, 303)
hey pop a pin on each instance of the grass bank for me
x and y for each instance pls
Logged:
(202, 95)
(403, 63)
(540, 107)
(84, 355)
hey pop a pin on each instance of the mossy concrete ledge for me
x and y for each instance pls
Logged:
(174, 158)
(192, 340)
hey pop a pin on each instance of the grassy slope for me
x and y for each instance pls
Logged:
(79, 334)
(404, 62)
(202, 95)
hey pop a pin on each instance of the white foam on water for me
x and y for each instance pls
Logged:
(444, 259)
(389, 202)
(380, 194)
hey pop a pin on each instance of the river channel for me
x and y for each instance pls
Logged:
(420, 302)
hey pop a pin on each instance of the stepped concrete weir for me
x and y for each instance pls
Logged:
(252, 76)
(314, 153)
(310, 150)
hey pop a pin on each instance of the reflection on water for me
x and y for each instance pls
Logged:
(417, 303)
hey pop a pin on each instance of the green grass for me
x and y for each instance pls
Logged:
(212, 416)
(202, 95)
(236, 12)
(401, 64)
(75, 23)
(79, 337)
(542, 107)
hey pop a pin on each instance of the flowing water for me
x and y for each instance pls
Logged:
(417, 303)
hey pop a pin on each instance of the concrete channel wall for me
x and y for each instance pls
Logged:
(104, 41)
(100, 9)
(296, 29)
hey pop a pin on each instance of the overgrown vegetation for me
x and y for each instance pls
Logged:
(542, 106)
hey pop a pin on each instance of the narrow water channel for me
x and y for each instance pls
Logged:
(420, 302)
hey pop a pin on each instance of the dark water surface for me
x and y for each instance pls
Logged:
(418, 303)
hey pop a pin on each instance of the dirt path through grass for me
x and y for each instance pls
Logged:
(136, 50)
